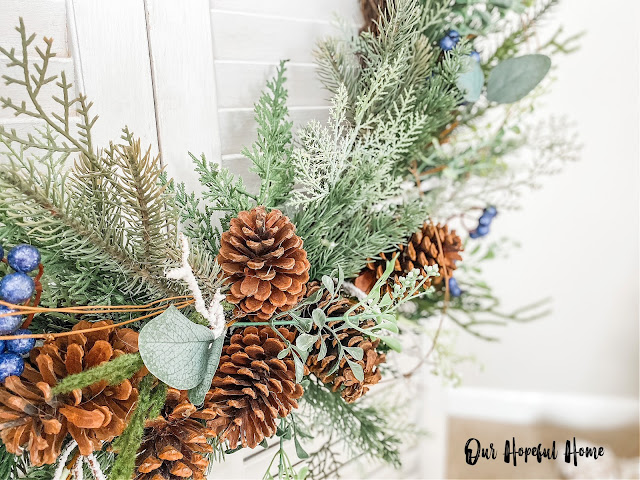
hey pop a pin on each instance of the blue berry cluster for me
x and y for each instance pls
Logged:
(454, 288)
(484, 222)
(449, 41)
(16, 287)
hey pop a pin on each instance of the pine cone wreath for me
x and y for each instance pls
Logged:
(31, 419)
(252, 387)
(422, 250)
(343, 379)
(264, 262)
(174, 445)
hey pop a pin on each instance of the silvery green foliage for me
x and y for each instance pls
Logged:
(381, 309)
(344, 173)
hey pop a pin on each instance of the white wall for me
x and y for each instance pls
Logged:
(579, 234)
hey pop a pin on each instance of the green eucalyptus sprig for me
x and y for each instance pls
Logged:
(320, 328)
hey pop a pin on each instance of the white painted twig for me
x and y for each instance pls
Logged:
(62, 461)
(214, 313)
(78, 472)
(353, 290)
(92, 461)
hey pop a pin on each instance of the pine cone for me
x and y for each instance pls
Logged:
(264, 263)
(421, 251)
(252, 387)
(31, 418)
(174, 445)
(343, 379)
(371, 10)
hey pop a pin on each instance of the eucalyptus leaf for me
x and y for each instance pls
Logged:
(327, 281)
(302, 454)
(512, 79)
(197, 394)
(305, 341)
(323, 351)
(299, 368)
(305, 323)
(389, 326)
(471, 81)
(319, 317)
(357, 370)
(283, 353)
(175, 349)
(392, 343)
(355, 352)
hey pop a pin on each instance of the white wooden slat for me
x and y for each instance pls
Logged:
(315, 10)
(17, 92)
(115, 67)
(238, 128)
(257, 38)
(240, 84)
(45, 18)
(183, 78)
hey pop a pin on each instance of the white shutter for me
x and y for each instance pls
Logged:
(183, 76)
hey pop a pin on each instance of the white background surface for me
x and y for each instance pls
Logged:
(579, 234)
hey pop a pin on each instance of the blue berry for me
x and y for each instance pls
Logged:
(16, 287)
(21, 345)
(482, 230)
(475, 55)
(446, 44)
(2, 344)
(474, 234)
(9, 323)
(10, 364)
(453, 35)
(454, 288)
(485, 219)
(491, 211)
(1, 252)
(23, 258)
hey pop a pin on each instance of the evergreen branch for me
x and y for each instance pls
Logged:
(364, 430)
(271, 152)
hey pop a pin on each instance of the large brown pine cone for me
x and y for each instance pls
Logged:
(422, 250)
(252, 387)
(343, 379)
(30, 418)
(264, 262)
(174, 445)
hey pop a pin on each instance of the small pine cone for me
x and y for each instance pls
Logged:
(421, 251)
(252, 387)
(264, 262)
(30, 418)
(174, 445)
(343, 379)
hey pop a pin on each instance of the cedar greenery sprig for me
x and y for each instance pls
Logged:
(271, 152)
(105, 216)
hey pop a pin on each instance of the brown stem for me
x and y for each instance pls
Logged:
(36, 300)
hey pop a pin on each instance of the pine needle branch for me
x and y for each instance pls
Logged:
(271, 152)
